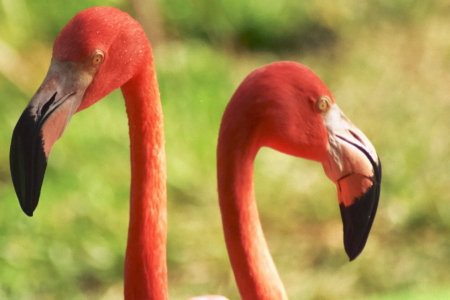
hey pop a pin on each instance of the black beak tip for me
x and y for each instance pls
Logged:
(27, 207)
(353, 251)
(28, 212)
(358, 217)
(27, 162)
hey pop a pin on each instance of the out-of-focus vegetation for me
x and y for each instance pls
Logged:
(388, 65)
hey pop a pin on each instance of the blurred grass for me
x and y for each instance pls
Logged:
(387, 64)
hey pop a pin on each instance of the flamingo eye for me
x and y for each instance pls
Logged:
(323, 104)
(97, 58)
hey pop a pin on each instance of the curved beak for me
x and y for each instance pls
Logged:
(353, 165)
(41, 124)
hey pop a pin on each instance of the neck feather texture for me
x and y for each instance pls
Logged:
(145, 262)
(253, 267)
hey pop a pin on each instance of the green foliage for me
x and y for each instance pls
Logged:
(255, 25)
(386, 63)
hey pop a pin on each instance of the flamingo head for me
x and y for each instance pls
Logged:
(305, 121)
(285, 106)
(98, 51)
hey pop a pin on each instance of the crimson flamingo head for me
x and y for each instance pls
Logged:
(287, 107)
(87, 64)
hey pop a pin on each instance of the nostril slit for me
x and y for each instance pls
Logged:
(356, 137)
(47, 105)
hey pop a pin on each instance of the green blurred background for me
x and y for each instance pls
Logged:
(386, 62)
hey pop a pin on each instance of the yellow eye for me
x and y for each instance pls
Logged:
(323, 103)
(97, 57)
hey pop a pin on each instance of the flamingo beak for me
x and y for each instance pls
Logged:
(353, 165)
(41, 124)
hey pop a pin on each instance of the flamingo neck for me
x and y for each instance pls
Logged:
(145, 261)
(254, 270)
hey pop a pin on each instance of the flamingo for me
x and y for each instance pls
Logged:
(98, 51)
(285, 106)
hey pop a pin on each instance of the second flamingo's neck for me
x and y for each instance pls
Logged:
(145, 262)
(254, 269)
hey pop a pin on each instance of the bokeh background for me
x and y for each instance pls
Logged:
(387, 64)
